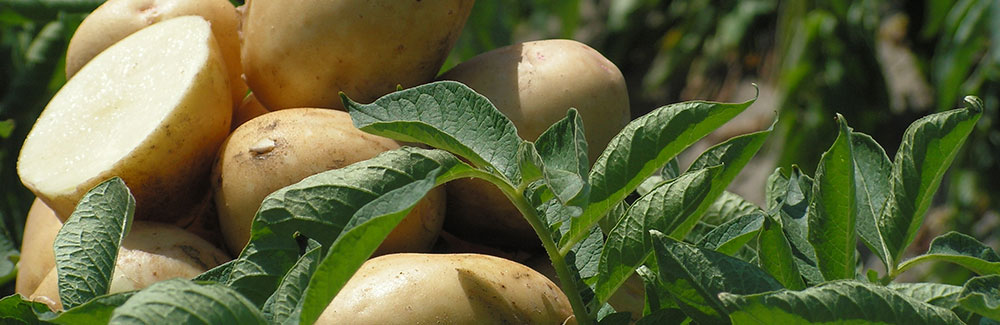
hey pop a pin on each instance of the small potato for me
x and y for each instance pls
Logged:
(281, 148)
(37, 257)
(534, 84)
(116, 19)
(303, 53)
(447, 289)
(151, 252)
(151, 114)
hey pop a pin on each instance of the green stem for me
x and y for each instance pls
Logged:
(566, 278)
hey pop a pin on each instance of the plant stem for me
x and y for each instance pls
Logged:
(566, 278)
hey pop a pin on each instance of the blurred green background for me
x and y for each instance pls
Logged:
(881, 63)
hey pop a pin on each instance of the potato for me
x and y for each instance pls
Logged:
(534, 84)
(302, 53)
(151, 252)
(116, 19)
(37, 257)
(151, 114)
(281, 148)
(447, 289)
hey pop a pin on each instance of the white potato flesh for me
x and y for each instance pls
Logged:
(152, 109)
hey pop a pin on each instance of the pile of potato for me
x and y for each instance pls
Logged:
(203, 109)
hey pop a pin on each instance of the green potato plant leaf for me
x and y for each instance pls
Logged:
(181, 301)
(981, 295)
(637, 152)
(937, 294)
(218, 274)
(960, 249)
(840, 302)
(324, 206)
(929, 146)
(775, 255)
(792, 208)
(695, 277)
(17, 309)
(86, 247)
(563, 151)
(733, 155)
(361, 236)
(727, 207)
(285, 302)
(871, 169)
(832, 211)
(95, 311)
(729, 237)
(446, 115)
(629, 244)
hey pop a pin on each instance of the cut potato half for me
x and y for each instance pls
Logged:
(151, 109)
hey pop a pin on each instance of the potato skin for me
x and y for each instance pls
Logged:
(447, 289)
(116, 19)
(37, 257)
(151, 252)
(302, 53)
(534, 84)
(281, 148)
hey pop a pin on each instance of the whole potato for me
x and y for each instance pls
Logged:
(37, 257)
(534, 84)
(302, 53)
(281, 148)
(151, 252)
(447, 289)
(151, 114)
(116, 19)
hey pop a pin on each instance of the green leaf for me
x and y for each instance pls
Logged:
(95, 311)
(629, 244)
(323, 206)
(729, 237)
(777, 188)
(960, 249)
(285, 302)
(6, 128)
(181, 301)
(832, 212)
(733, 155)
(727, 207)
(774, 254)
(937, 294)
(928, 147)
(86, 247)
(696, 276)
(644, 146)
(361, 236)
(16, 309)
(981, 295)
(563, 151)
(218, 274)
(840, 302)
(446, 115)
(872, 168)
(656, 294)
(663, 316)
(793, 208)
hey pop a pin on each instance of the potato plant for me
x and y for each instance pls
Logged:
(704, 254)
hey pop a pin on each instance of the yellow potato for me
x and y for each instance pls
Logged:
(302, 53)
(281, 148)
(116, 19)
(534, 84)
(151, 114)
(447, 289)
(37, 257)
(151, 252)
